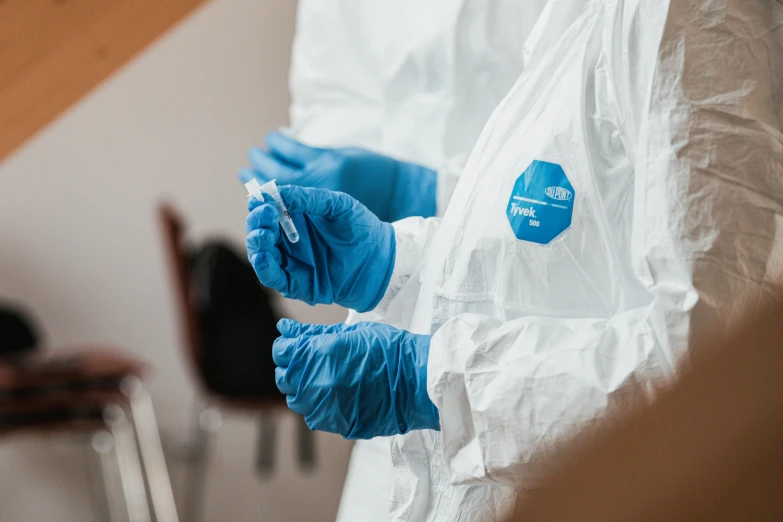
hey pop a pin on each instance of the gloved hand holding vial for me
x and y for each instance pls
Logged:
(257, 191)
(337, 250)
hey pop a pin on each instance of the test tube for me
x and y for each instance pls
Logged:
(257, 191)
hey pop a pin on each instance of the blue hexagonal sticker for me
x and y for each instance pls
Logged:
(541, 204)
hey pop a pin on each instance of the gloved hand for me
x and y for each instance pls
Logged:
(360, 381)
(391, 189)
(344, 255)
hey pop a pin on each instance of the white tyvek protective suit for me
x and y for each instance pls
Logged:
(625, 198)
(413, 79)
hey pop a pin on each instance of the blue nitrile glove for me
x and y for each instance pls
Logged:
(391, 189)
(361, 381)
(344, 255)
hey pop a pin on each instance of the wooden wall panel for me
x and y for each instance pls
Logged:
(52, 52)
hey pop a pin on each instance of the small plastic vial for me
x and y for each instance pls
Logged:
(257, 191)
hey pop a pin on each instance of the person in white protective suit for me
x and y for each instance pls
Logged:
(625, 198)
(412, 80)
(415, 80)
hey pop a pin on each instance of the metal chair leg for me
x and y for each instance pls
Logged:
(108, 504)
(151, 450)
(207, 421)
(128, 464)
(305, 445)
(267, 435)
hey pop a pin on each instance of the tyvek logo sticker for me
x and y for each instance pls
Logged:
(541, 204)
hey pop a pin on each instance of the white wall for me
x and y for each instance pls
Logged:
(79, 244)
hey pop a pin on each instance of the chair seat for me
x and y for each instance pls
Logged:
(55, 420)
(50, 392)
(85, 370)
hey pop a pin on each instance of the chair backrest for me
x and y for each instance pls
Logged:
(173, 229)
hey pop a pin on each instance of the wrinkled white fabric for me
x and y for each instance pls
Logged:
(413, 79)
(666, 118)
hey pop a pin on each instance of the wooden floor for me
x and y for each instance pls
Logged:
(52, 52)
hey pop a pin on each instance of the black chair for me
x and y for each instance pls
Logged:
(227, 327)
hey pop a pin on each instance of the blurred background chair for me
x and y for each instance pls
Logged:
(227, 326)
(97, 396)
